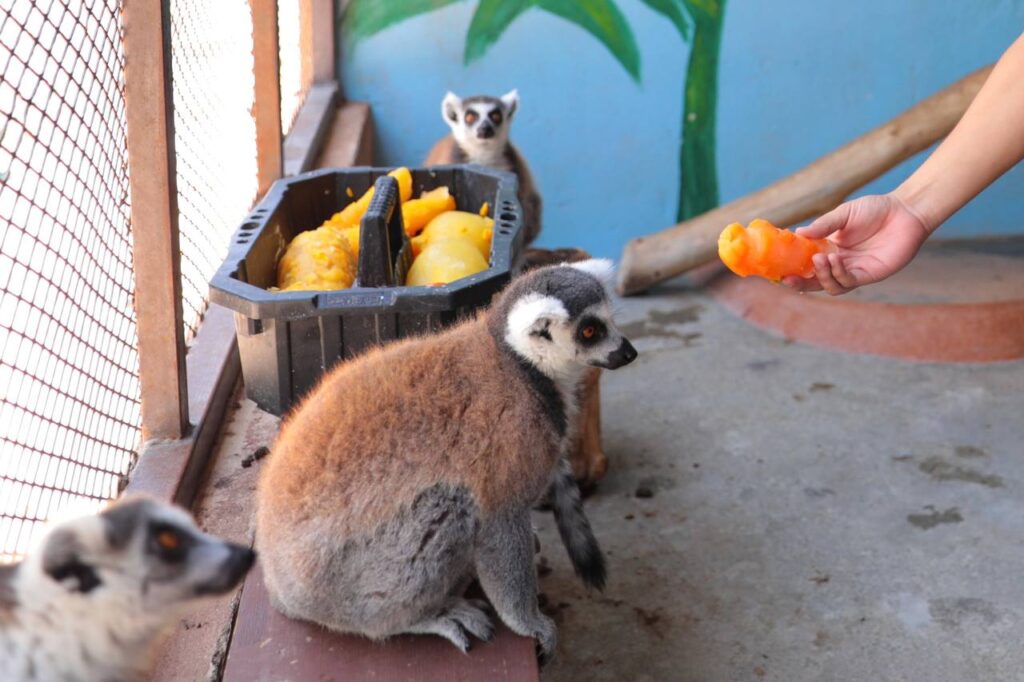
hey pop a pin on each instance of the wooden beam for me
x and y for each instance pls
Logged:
(225, 507)
(349, 140)
(269, 646)
(172, 470)
(316, 40)
(305, 139)
(811, 191)
(154, 215)
(266, 108)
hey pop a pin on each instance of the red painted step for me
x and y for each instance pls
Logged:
(267, 646)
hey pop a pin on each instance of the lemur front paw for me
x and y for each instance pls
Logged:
(546, 635)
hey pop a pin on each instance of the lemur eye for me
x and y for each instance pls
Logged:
(471, 117)
(590, 331)
(168, 543)
(169, 540)
(495, 117)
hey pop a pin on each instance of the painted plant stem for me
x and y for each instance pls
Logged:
(698, 167)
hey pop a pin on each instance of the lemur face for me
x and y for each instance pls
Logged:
(143, 550)
(560, 318)
(480, 121)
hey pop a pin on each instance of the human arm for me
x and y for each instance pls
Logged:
(878, 235)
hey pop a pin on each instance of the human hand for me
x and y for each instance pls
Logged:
(875, 237)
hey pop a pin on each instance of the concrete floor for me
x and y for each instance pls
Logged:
(814, 515)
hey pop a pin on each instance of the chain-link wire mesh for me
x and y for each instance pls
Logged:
(69, 391)
(214, 136)
(69, 385)
(294, 83)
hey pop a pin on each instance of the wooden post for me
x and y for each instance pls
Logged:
(811, 191)
(316, 40)
(154, 215)
(311, 126)
(266, 109)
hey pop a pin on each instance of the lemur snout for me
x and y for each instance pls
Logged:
(240, 559)
(238, 563)
(621, 356)
(485, 131)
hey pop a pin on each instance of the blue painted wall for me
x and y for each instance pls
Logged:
(797, 79)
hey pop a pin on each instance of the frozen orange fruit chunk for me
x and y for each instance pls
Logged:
(353, 213)
(317, 260)
(767, 251)
(416, 213)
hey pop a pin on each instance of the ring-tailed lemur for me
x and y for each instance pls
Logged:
(480, 134)
(93, 599)
(413, 468)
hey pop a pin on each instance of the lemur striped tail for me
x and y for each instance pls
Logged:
(574, 527)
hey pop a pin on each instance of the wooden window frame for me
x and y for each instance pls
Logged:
(185, 396)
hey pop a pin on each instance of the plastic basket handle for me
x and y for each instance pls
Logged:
(380, 235)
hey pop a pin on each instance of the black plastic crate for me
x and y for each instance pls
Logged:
(288, 340)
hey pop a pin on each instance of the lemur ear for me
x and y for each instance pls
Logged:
(534, 315)
(120, 520)
(63, 562)
(511, 101)
(601, 268)
(450, 106)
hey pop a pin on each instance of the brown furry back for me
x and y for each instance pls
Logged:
(451, 407)
(442, 152)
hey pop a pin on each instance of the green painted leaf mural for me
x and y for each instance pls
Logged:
(676, 12)
(363, 18)
(697, 162)
(699, 23)
(489, 21)
(603, 20)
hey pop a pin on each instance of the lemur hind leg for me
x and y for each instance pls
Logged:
(586, 453)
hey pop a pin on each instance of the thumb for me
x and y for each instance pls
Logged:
(832, 221)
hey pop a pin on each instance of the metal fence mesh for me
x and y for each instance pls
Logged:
(69, 384)
(294, 83)
(214, 136)
(69, 393)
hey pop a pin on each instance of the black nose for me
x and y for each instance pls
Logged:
(240, 561)
(621, 356)
(485, 131)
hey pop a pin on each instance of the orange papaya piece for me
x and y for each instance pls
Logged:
(353, 213)
(767, 251)
(416, 213)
